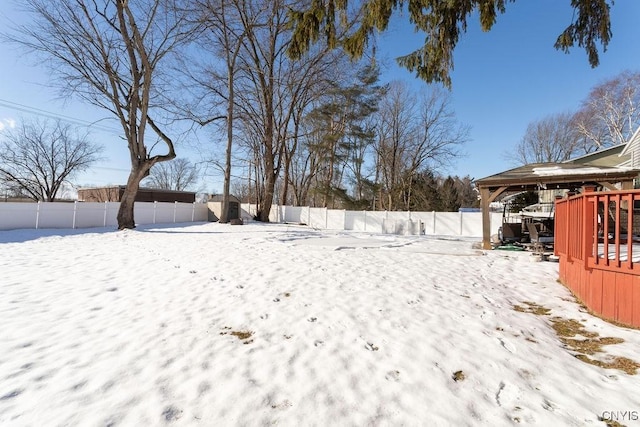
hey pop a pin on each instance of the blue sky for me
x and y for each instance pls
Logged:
(503, 80)
(512, 75)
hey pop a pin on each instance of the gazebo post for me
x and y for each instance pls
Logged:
(486, 219)
(486, 197)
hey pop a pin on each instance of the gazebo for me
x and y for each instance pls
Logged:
(547, 176)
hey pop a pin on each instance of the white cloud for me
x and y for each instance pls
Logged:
(7, 124)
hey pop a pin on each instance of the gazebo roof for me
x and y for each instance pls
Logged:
(538, 176)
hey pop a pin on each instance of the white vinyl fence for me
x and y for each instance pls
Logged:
(462, 224)
(94, 214)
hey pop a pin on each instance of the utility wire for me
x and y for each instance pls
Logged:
(44, 113)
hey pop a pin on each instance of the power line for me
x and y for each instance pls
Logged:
(111, 169)
(44, 113)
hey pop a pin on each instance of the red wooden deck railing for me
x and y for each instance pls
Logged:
(597, 237)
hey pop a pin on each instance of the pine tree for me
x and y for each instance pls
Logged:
(442, 22)
(342, 136)
(449, 195)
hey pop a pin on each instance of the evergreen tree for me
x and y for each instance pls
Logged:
(342, 136)
(522, 200)
(442, 22)
(468, 195)
(425, 193)
(449, 196)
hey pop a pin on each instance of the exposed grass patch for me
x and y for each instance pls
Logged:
(458, 376)
(622, 363)
(610, 423)
(570, 328)
(532, 307)
(582, 304)
(585, 343)
(244, 336)
(590, 345)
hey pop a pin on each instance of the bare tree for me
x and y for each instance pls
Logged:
(110, 54)
(177, 175)
(396, 130)
(214, 70)
(611, 112)
(554, 138)
(440, 135)
(320, 69)
(608, 116)
(305, 165)
(415, 132)
(37, 157)
(271, 90)
(242, 190)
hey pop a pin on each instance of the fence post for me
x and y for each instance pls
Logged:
(75, 210)
(434, 222)
(385, 221)
(344, 219)
(175, 209)
(38, 216)
(193, 212)
(155, 205)
(461, 220)
(104, 220)
(326, 218)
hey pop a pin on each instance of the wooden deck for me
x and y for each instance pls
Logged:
(604, 272)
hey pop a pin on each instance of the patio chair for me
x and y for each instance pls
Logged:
(539, 240)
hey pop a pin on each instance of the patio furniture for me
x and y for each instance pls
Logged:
(541, 240)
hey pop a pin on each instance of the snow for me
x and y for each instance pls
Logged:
(144, 327)
(557, 170)
(612, 252)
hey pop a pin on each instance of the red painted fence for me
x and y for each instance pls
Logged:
(597, 237)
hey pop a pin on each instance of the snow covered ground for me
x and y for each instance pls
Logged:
(212, 324)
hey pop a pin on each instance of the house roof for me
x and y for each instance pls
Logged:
(146, 189)
(632, 143)
(611, 156)
(555, 175)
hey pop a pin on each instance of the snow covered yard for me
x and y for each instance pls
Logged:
(213, 324)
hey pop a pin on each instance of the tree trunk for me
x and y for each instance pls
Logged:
(285, 182)
(224, 216)
(270, 172)
(125, 212)
(267, 201)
